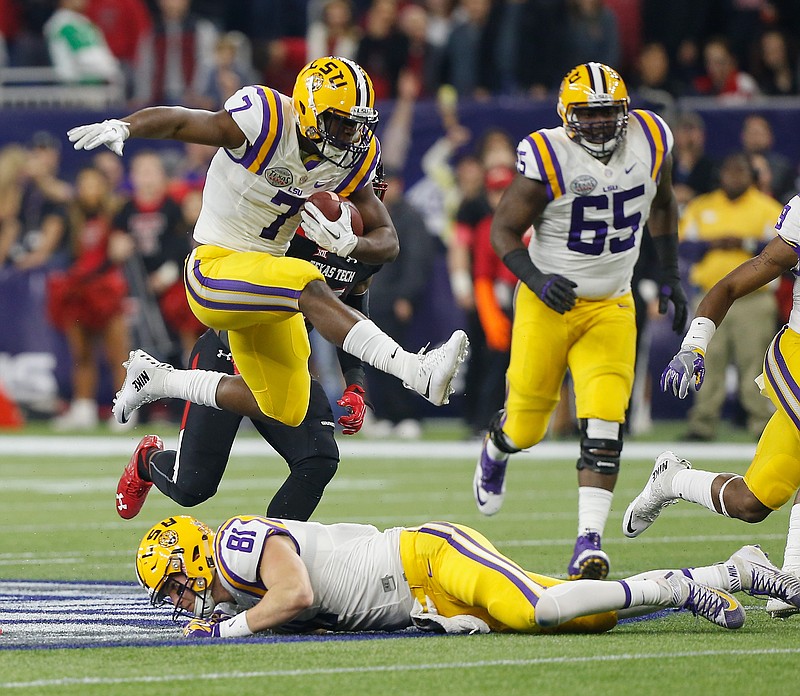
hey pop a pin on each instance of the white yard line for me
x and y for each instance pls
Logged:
(182, 678)
(34, 446)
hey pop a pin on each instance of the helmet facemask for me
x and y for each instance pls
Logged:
(343, 139)
(203, 605)
(598, 128)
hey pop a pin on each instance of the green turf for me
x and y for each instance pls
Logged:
(58, 522)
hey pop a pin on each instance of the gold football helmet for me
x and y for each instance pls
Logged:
(178, 545)
(334, 102)
(593, 105)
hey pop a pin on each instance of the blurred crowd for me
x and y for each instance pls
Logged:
(197, 52)
(111, 241)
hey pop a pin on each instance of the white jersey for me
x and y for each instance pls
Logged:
(591, 230)
(355, 571)
(788, 229)
(253, 195)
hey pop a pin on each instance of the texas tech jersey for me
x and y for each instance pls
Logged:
(253, 195)
(341, 274)
(591, 230)
(355, 571)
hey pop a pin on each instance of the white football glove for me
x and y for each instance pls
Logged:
(111, 133)
(428, 619)
(336, 236)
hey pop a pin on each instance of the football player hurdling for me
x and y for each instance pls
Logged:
(275, 151)
(773, 477)
(587, 187)
(259, 574)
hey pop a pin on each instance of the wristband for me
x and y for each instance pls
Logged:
(236, 627)
(699, 334)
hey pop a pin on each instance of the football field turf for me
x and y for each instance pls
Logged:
(74, 622)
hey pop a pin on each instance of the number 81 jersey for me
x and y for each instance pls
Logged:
(591, 229)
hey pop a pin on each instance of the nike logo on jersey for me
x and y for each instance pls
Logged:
(629, 169)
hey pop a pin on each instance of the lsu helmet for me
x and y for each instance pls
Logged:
(333, 99)
(179, 544)
(593, 105)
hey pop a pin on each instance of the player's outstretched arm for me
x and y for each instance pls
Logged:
(215, 128)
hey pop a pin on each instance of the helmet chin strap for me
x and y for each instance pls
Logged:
(203, 604)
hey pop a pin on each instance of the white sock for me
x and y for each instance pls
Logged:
(722, 576)
(497, 454)
(566, 601)
(594, 505)
(368, 343)
(197, 386)
(695, 486)
(791, 556)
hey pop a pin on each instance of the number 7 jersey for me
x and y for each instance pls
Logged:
(591, 229)
(253, 195)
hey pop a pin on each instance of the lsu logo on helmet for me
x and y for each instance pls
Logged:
(593, 106)
(334, 101)
(177, 545)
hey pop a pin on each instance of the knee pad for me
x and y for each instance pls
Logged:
(600, 455)
(498, 437)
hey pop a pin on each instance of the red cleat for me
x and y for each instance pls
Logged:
(132, 489)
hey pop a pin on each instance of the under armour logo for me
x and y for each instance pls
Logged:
(120, 505)
(140, 382)
(222, 354)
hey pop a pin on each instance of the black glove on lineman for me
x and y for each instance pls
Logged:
(671, 290)
(556, 291)
(670, 287)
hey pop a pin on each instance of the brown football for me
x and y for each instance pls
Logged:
(328, 204)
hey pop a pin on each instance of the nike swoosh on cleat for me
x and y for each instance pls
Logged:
(628, 526)
(481, 501)
(427, 391)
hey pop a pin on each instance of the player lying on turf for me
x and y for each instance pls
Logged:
(257, 573)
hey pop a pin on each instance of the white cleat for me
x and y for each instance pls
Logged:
(779, 609)
(712, 604)
(655, 496)
(438, 368)
(144, 382)
(489, 482)
(760, 578)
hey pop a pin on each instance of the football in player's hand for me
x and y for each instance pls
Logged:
(328, 204)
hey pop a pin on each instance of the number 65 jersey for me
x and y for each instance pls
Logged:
(591, 229)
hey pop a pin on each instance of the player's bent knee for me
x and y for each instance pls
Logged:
(600, 455)
(548, 611)
(502, 441)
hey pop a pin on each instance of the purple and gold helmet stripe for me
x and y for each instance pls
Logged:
(364, 93)
(459, 539)
(656, 137)
(597, 77)
(362, 170)
(781, 380)
(237, 295)
(548, 164)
